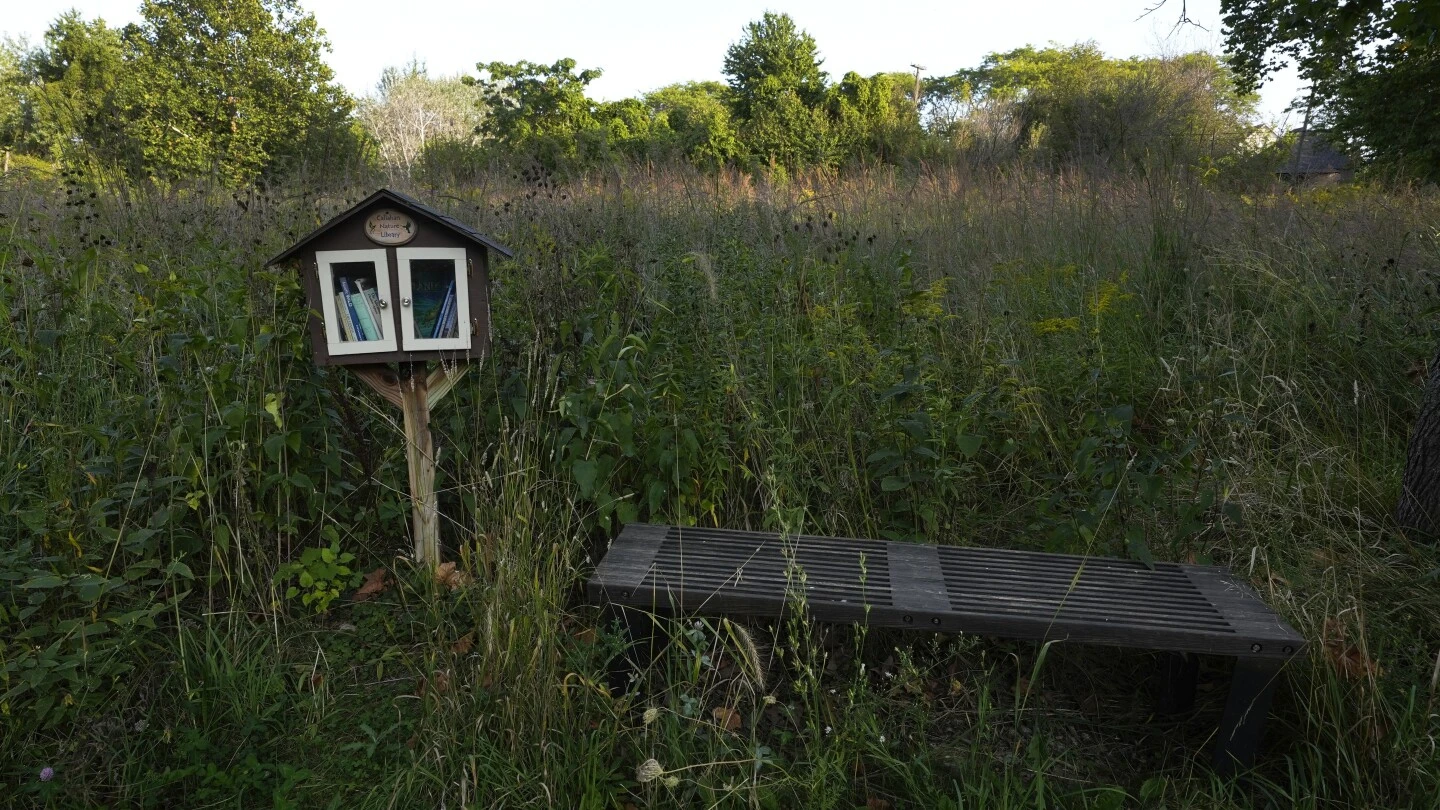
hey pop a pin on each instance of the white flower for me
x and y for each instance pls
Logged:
(828, 730)
(649, 771)
(651, 715)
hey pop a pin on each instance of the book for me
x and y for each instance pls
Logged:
(427, 293)
(342, 314)
(372, 300)
(447, 312)
(367, 323)
(350, 306)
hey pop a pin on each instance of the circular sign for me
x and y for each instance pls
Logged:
(389, 227)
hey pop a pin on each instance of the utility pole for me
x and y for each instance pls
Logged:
(918, 68)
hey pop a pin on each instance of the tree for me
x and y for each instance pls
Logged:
(778, 93)
(1374, 66)
(231, 87)
(1077, 104)
(694, 120)
(411, 111)
(12, 89)
(535, 109)
(875, 116)
(63, 89)
(773, 57)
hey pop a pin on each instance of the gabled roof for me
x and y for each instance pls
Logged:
(407, 202)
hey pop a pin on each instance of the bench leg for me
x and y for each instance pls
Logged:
(1181, 671)
(1246, 711)
(640, 646)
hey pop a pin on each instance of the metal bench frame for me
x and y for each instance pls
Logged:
(1181, 609)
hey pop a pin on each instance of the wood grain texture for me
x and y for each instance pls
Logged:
(383, 380)
(443, 379)
(420, 457)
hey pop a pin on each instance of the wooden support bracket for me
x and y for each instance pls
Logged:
(383, 379)
(416, 393)
(442, 380)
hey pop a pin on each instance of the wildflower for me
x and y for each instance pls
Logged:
(650, 715)
(46, 774)
(649, 771)
(671, 782)
(882, 738)
(828, 730)
(770, 700)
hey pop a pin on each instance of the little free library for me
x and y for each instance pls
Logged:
(393, 280)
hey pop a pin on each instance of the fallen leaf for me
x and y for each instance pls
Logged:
(1347, 658)
(375, 584)
(586, 636)
(316, 679)
(449, 576)
(876, 804)
(728, 718)
(463, 644)
(441, 682)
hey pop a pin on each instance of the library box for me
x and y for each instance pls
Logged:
(394, 280)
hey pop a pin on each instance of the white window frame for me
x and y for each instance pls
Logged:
(403, 257)
(334, 338)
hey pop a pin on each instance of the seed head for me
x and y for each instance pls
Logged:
(649, 771)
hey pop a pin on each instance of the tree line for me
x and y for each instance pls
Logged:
(239, 90)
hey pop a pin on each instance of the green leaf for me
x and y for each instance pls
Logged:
(969, 445)
(585, 471)
(893, 483)
(1137, 547)
(44, 582)
(882, 455)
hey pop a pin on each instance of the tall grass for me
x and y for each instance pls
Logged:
(1067, 361)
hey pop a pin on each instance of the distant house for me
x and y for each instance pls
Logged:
(1315, 161)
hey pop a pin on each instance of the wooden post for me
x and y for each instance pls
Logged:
(420, 456)
(416, 393)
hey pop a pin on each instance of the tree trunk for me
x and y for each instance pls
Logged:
(1418, 512)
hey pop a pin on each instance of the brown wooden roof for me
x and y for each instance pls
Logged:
(403, 201)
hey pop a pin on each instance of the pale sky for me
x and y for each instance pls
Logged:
(645, 44)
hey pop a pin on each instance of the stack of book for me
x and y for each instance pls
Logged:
(445, 325)
(359, 311)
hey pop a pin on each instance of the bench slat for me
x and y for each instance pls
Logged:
(916, 581)
(1185, 608)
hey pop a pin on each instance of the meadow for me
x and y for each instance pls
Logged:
(1152, 365)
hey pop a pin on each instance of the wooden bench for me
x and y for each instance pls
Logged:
(1181, 609)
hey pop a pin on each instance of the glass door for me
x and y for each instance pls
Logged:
(354, 301)
(434, 298)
